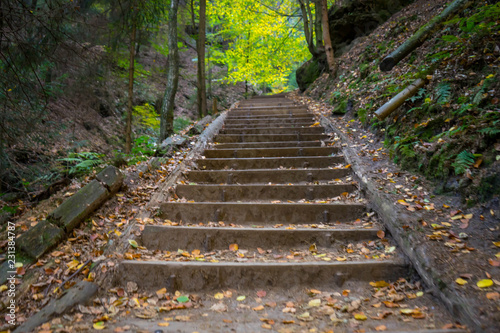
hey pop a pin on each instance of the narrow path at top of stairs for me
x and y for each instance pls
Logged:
(271, 233)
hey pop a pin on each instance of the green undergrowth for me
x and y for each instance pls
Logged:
(450, 130)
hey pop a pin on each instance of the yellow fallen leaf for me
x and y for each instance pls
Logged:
(258, 308)
(484, 283)
(497, 244)
(163, 324)
(160, 292)
(313, 248)
(315, 302)
(461, 281)
(379, 284)
(219, 296)
(360, 316)
(3, 288)
(99, 325)
(241, 298)
(233, 247)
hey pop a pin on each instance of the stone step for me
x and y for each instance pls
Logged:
(224, 193)
(264, 176)
(196, 276)
(266, 116)
(246, 213)
(230, 138)
(250, 125)
(270, 152)
(274, 130)
(276, 144)
(168, 238)
(259, 110)
(269, 162)
(264, 122)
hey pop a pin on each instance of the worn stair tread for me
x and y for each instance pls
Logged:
(161, 237)
(270, 152)
(274, 130)
(229, 138)
(275, 144)
(252, 192)
(275, 176)
(267, 116)
(252, 212)
(195, 275)
(257, 163)
(248, 125)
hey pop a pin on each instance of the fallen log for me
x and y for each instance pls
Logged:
(399, 99)
(422, 35)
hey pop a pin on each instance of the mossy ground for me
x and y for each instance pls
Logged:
(455, 115)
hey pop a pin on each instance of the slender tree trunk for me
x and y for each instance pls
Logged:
(209, 71)
(167, 109)
(330, 58)
(318, 26)
(128, 126)
(200, 46)
(308, 31)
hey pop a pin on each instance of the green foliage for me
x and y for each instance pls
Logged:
(81, 163)
(265, 41)
(443, 92)
(418, 96)
(490, 131)
(181, 123)
(144, 147)
(463, 161)
(147, 117)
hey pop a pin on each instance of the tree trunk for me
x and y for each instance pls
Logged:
(308, 32)
(167, 110)
(130, 105)
(399, 99)
(200, 46)
(330, 58)
(422, 35)
(317, 25)
(209, 71)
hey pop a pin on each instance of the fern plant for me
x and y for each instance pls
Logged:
(463, 161)
(443, 92)
(81, 163)
(490, 131)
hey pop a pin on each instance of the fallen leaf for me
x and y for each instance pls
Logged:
(267, 326)
(494, 263)
(219, 296)
(261, 293)
(485, 283)
(219, 307)
(183, 299)
(161, 292)
(233, 247)
(315, 302)
(99, 325)
(258, 308)
(163, 324)
(133, 243)
(360, 316)
(241, 298)
(380, 328)
(461, 281)
(380, 234)
(493, 296)
(379, 284)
